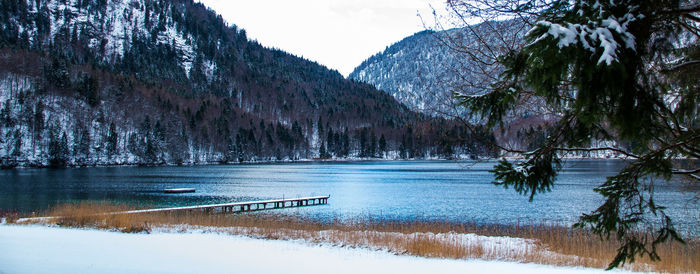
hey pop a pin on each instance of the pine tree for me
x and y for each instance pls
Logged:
(112, 141)
(75, 148)
(382, 146)
(149, 152)
(38, 125)
(16, 142)
(346, 143)
(322, 153)
(6, 114)
(87, 86)
(134, 144)
(364, 146)
(373, 145)
(84, 146)
(231, 150)
(331, 146)
(608, 70)
(58, 147)
(57, 73)
(410, 149)
(319, 128)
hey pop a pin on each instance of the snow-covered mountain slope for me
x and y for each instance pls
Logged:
(417, 71)
(155, 81)
(423, 70)
(107, 28)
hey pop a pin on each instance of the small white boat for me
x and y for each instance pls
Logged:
(178, 190)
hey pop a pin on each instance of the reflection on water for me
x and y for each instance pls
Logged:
(442, 190)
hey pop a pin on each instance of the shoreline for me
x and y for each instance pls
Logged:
(553, 245)
(268, 162)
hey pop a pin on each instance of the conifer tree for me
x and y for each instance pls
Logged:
(372, 144)
(624, 72)
(38, 125)
(382, 146)
(112, 139)
(58, 147)
(322, 152)
(16, 144)
(6, 114)
(346, 143)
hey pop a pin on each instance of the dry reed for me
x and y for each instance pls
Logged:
(543, 244)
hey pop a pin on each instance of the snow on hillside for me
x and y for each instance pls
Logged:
(112, 30)
(416, 71)
(423, 70)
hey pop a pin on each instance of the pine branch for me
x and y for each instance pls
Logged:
(684, 64)
(692, 8)
(692, 17)
(692, 29)
(686, 171)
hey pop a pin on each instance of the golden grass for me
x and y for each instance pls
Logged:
(544, 244)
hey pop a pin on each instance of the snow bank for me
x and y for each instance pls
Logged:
(38, 249)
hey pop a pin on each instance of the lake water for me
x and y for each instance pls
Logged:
(442, 190)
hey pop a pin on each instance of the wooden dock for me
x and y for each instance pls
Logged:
(223, 208)
(242, 206)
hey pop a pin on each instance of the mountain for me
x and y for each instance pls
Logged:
(170, 82)
(416, 71)
(423, 70)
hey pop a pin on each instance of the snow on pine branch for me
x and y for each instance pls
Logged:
(602, 34)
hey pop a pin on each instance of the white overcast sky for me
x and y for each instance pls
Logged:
(334, 33)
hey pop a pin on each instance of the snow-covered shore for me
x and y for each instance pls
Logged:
(40, 249)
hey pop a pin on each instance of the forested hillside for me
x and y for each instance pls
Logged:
(169, 82)
(423, 70)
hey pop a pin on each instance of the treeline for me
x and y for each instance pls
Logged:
(50, 129)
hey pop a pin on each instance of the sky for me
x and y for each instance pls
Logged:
(337, 34)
